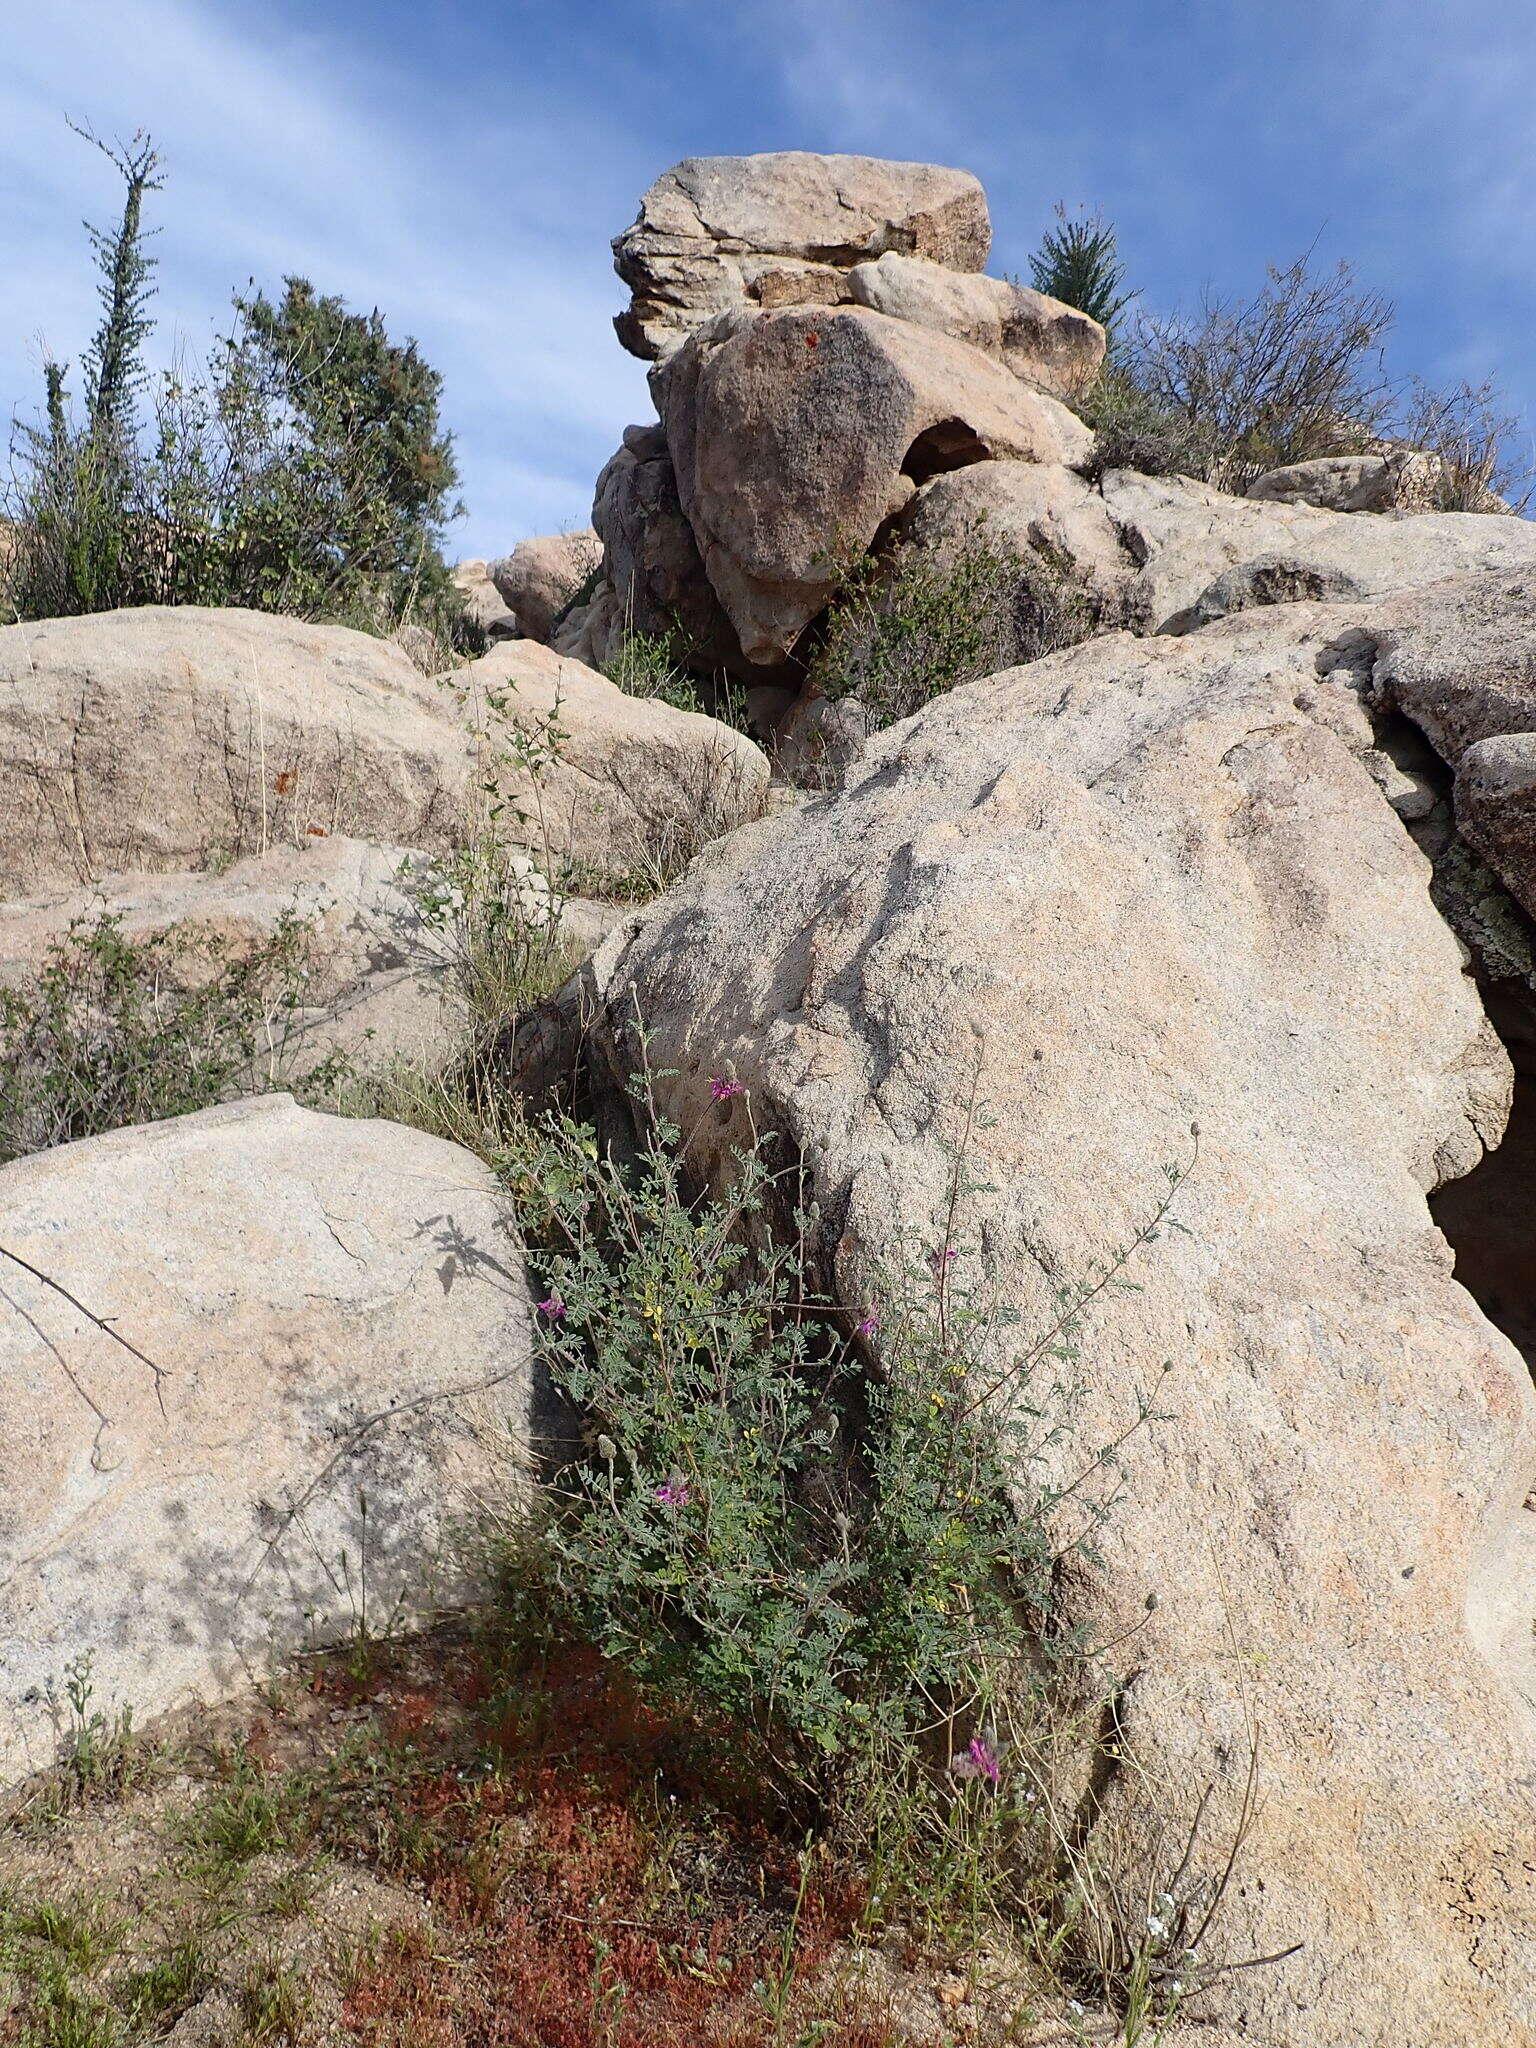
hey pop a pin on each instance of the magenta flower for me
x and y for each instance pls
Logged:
(553, 1307)
(721, 1090)
(871, 1322)
(977, 1760)
(674, 1494)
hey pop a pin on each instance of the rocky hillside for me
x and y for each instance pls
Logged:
(1166, 1000)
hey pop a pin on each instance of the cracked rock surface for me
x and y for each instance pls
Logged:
(1135, 887)
(316, 1360)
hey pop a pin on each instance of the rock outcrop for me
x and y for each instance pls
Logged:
(782, 229)
(1134, 888)
(606, 782)
(1036, 337)
(1406, 480)
(160, 739)
(183, 738)
(543, 576)
(257, 1365)
(483, 602)
(651, 561)
(1205, 555)
(796, 436)
(1459, 659)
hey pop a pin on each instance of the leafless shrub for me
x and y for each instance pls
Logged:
(1467, 428)
(1295, 372)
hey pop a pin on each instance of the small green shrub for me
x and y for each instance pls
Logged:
(759, 1529)
(1134, 430)
(117, 1031)
(907, 627)
(652, 665)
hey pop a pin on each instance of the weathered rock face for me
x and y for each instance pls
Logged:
(1036, 337)
(795, 436)
(484, 603)
(632, 781)
(176, 738)
(162, 739)
(1459, 659)
(782, 229)
(541, 576)
(650, 558)
(374, 976)
(1407, 480)
(339, 1331)
(1028, 507)
(1132, 887)
(1205, 555)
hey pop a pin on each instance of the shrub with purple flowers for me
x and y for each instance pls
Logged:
(828, 1540)
(762, 1529)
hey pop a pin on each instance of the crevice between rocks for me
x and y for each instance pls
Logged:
(1488, 1216)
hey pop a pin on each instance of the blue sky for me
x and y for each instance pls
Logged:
(464, 163)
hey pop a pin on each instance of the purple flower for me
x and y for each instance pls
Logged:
(674, 1494)
(979, 1759)
(942, 1259)
(553, 1307)
(721, 1090)
(871, 1322)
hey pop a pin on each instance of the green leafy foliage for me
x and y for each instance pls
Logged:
(827, 1562)
(906, 627)
(117, 1031)
(654, 665)
(301, 468)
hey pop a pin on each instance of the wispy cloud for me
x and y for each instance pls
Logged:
(464, 165)
(283, 160)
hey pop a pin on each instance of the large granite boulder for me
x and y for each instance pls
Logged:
(160, 739)
(796, 436)
(1205, 554)
(1037, 337)
(186, 737)
(590, 778)
(782, 229)
(1136, 887)
(543, 577)
(258, 1364)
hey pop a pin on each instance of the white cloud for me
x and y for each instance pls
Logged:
(283, 158)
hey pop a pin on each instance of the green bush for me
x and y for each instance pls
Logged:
(1133, 430)
(908, 626)
(117, 1031)
(823, 1561)
(301, 469)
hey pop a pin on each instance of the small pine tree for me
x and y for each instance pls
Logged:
(1077, 262)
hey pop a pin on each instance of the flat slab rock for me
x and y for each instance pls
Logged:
(781, 229)
(319, 1368)
(1133, 888)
